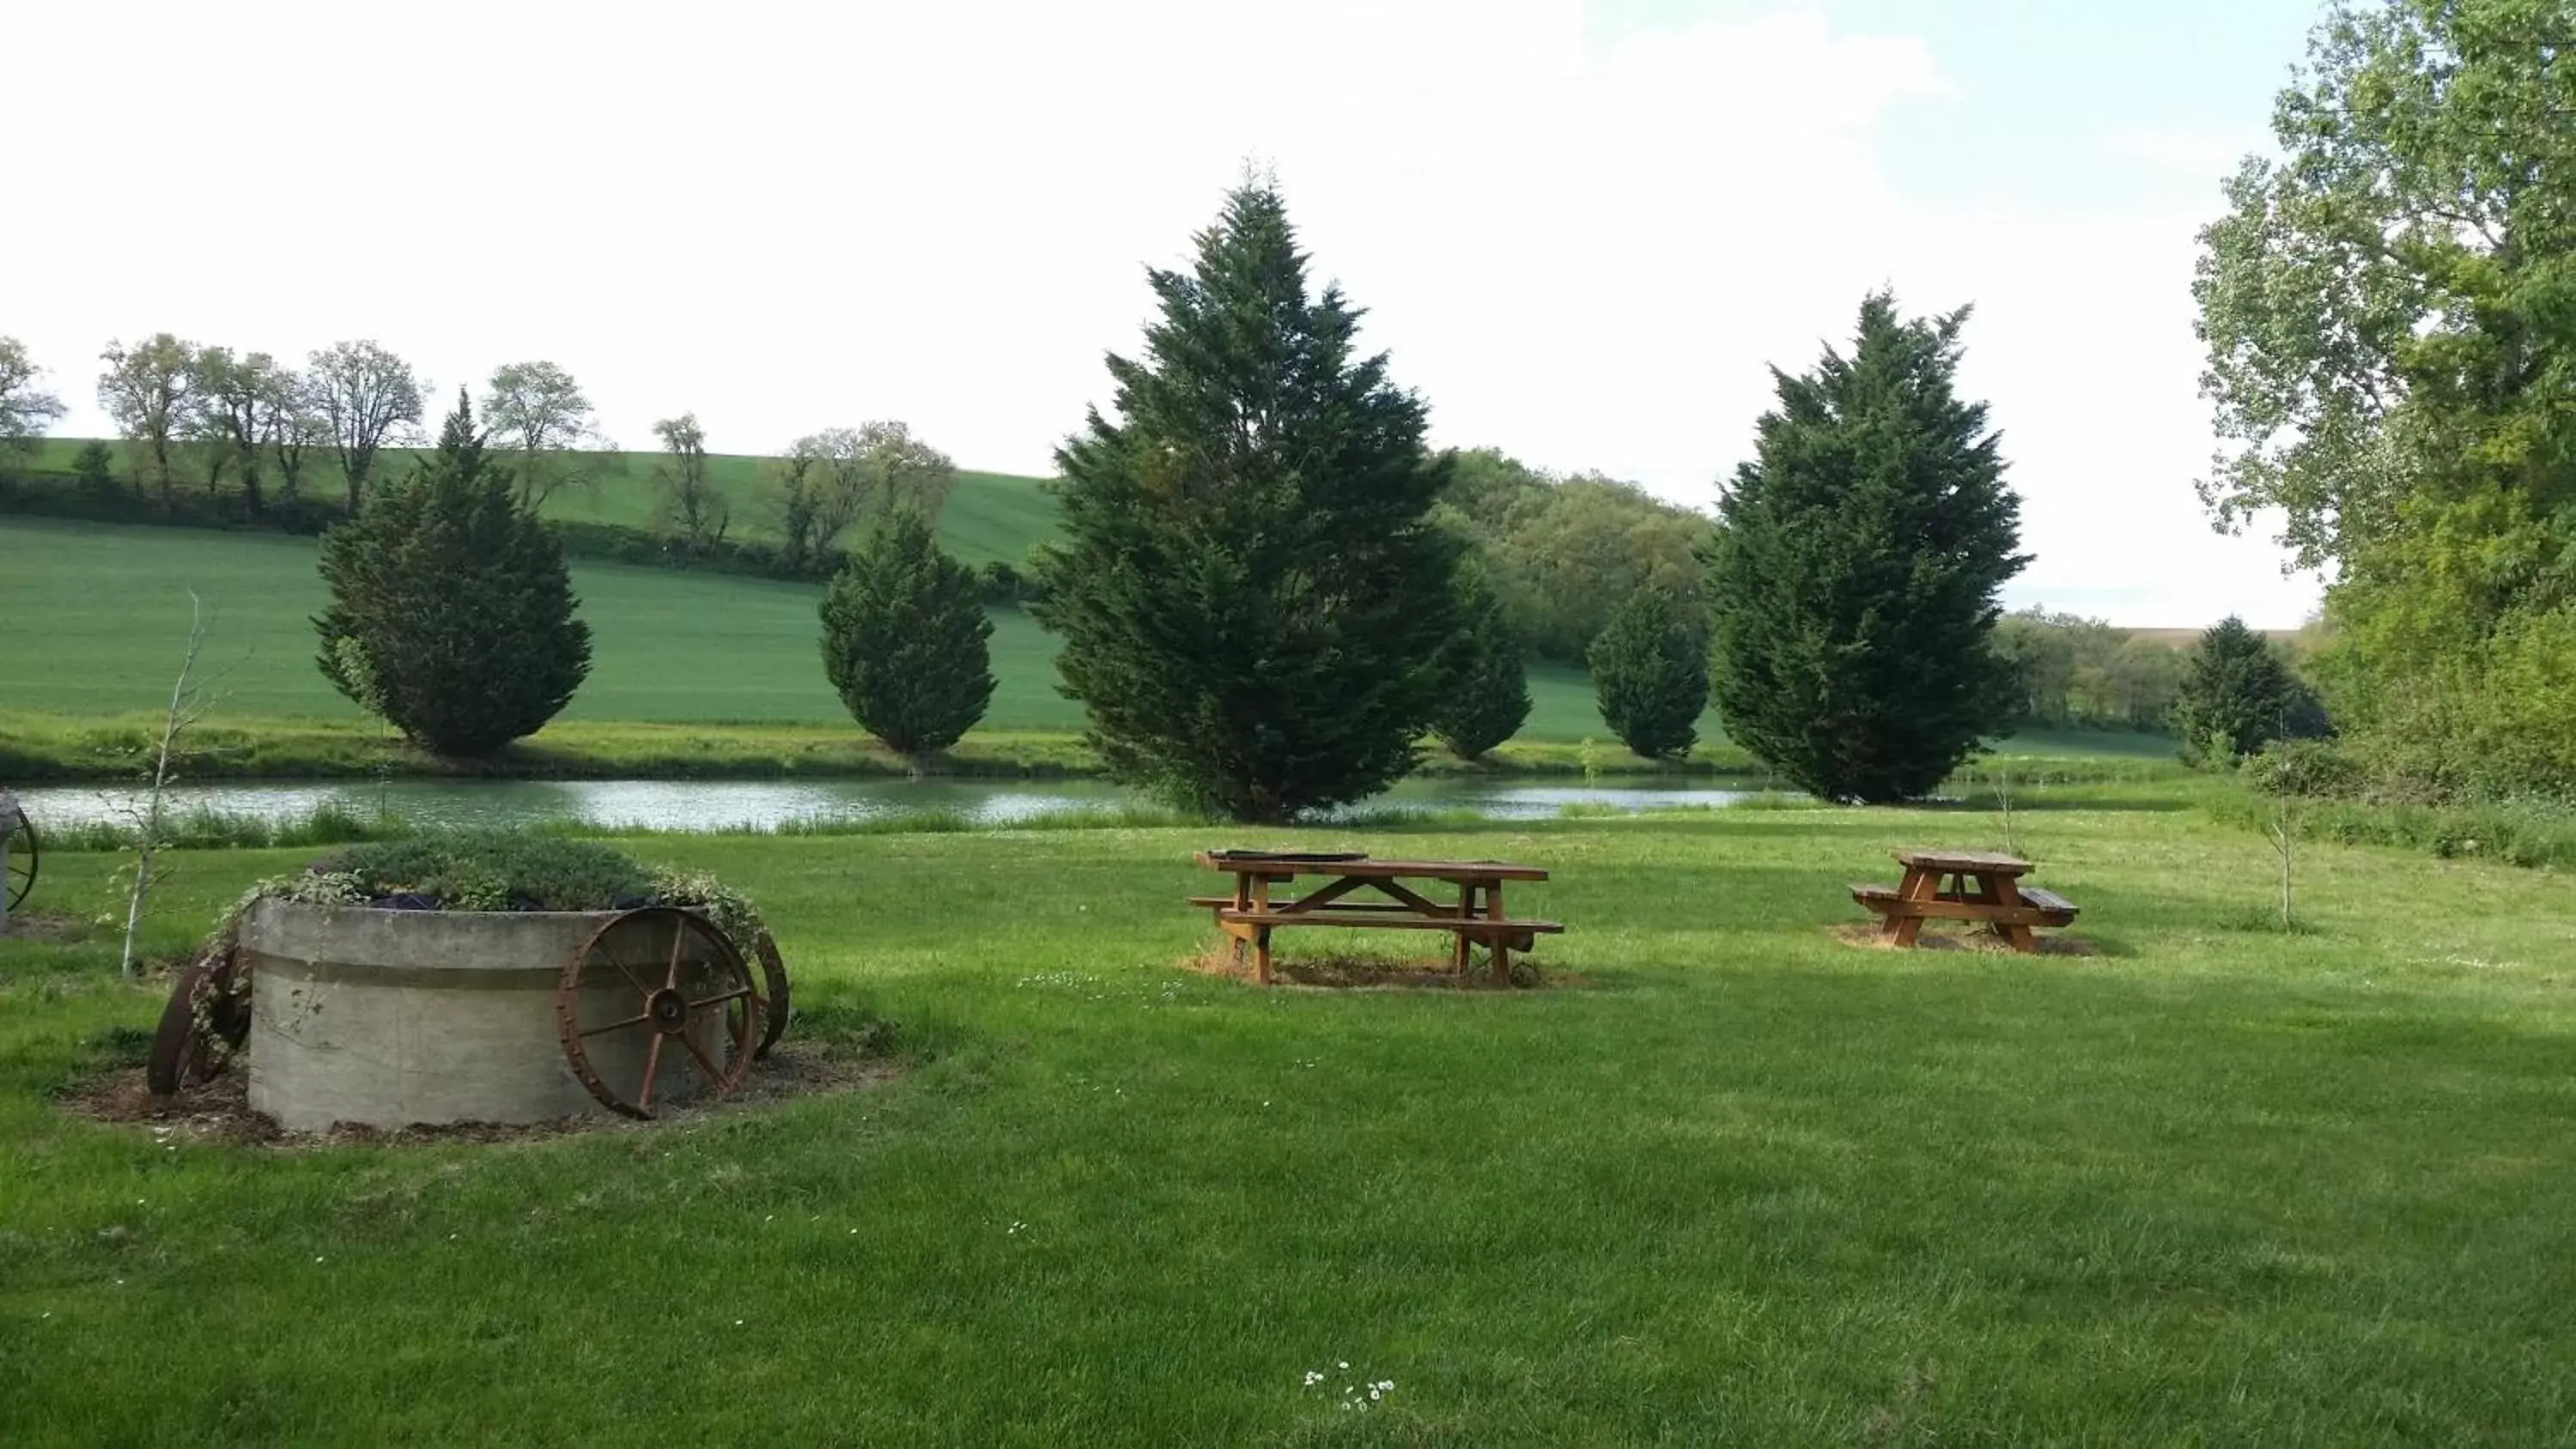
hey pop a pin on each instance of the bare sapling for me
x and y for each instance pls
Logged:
(187, 706)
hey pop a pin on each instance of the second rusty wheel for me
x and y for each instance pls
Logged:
(657, 997)
(773, 1000)
(207, 1020)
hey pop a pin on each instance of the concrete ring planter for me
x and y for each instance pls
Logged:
(391, 1018)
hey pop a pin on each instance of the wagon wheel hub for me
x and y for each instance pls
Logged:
(669, 1011)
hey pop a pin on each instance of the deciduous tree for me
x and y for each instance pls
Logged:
(26, 409)
(370, 399)
(541, 417)
(1251, 591)
(149, 391)
(693, 512)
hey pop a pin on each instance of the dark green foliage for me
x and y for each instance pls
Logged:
(1650, 668)
(495, 870)
(1854, 578)
(904, 639)
(95, 466)
(1485, 693)
(1251, 592)
(1565, 552)
(451, 614)
(2238, 695)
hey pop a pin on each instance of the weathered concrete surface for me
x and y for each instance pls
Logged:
(397, 1018)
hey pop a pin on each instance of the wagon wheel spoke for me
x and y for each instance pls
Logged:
(734, 995)
(715, 1074)
(637, 1019)
(679, 938)
(652, 1064)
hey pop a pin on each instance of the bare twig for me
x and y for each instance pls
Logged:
(187, 706)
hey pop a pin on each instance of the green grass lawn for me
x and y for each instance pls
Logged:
(96, 615)
(1748, 1186)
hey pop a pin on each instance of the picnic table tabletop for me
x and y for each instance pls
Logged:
(1368, 868)
(1972, 862)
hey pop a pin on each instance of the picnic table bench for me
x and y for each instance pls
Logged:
(1405, 894)
(1964, 885)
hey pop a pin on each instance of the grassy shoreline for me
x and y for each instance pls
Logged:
(40, 749)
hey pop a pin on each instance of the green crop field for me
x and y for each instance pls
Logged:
(1742, 1184)
(988, 515)
(96, 615)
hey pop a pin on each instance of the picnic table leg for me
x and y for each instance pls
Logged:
(1458, 946)
(1920, 885)
(1261, 934)
(2003, 890)
(1499, 948)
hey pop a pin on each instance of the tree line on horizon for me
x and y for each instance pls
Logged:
(1269, 589)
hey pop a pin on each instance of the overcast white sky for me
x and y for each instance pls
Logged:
(1583, 230)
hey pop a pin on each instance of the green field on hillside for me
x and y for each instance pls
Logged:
(988, 515)
(97, 614)
(1738, 1183)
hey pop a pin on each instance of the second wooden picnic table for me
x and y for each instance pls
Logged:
(1401, 895)
(1997, 897)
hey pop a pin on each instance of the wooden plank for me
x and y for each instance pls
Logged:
(1920, 910)
(1477, 927)
(1955, 862)
(1453, 870)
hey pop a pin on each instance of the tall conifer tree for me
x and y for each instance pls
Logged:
(1251, 594)
(1854, 578)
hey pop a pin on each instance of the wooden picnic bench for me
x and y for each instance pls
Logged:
(1406, 894)
(1964, 885)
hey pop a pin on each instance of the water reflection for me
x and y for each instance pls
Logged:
(768, 804)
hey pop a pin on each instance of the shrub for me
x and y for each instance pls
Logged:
(494, 870)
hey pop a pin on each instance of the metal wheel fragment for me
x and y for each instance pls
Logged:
(205, 1023)
(26, 853)
(773, 980)
(671, 980)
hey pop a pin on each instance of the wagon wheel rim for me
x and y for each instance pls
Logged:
(690, 983)
(204, 1024)
(773, 981)
(26, 851)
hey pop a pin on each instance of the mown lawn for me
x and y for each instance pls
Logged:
(1749, 1185)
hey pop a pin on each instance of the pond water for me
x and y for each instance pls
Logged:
(767, 804)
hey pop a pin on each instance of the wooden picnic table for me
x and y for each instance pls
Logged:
(1964, 885)
(1404, 896)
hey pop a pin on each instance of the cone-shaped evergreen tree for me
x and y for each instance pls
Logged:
(1485, 695)
(2238, 695)
(1650, 672)
(1250, 592)
(1853, 579)
(904, 639)
(451, 614)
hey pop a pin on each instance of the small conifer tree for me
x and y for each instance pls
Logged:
(451, 613)
(1485, 694)
(1650, 670)
(905, 639)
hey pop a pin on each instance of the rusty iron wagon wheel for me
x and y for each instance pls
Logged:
(206, 1022)
(773, 980)
(692, 1001)
(26, 854)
